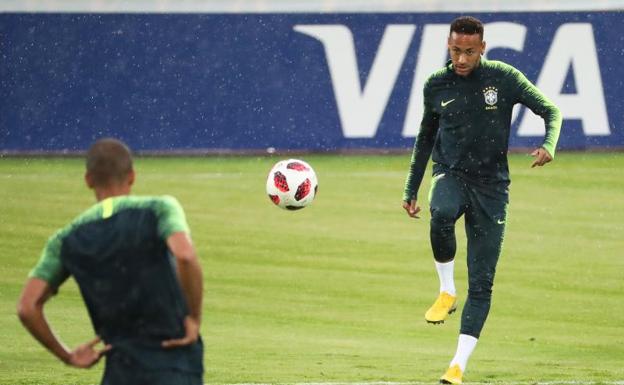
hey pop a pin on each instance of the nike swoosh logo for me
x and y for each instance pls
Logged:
(500, 221)
(444, 104)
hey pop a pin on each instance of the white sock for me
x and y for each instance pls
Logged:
(445, 273)
(465, 346)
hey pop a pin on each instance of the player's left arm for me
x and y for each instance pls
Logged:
(536, 101)
(541, 157)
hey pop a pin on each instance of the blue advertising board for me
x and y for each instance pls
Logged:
(290, 81)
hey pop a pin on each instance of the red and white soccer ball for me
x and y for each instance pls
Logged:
(292, 184)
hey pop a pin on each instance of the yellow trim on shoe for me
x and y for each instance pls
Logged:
(452, 376)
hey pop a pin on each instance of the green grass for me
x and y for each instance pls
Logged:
(337, 291)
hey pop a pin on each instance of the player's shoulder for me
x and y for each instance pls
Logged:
(58, 237)
(91, 214)
(165, 200)
(498, 67)
(161, 205)
(439, 75)
(437, 79)
(53, 245)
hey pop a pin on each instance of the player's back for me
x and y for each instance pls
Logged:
(125, 272)
(117, 252)
(118, 255)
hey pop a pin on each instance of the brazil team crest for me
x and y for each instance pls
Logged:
(491, 97)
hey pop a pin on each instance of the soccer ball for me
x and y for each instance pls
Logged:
(292, 184)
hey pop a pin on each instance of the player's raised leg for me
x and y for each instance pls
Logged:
(447, 199)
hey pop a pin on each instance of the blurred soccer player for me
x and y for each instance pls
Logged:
(139, 276)
(466, 124)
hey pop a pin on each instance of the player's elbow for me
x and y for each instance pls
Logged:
(554, 113)
(186, 256)
(26, 310)
(182, 248)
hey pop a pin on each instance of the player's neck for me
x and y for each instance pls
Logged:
(111, 191)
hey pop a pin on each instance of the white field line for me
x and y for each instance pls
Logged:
(567, 382)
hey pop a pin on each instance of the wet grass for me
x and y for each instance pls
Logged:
(336, 292)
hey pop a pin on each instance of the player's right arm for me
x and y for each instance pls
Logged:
(191, 281)
(42, 283)
(411, 208)
(420, 154)
(175, 230)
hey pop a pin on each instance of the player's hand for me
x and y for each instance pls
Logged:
(191, 327)
(85, 355)
(541, 157)
(411, 208)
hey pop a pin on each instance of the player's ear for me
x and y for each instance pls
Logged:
(88, 180)
(483, 47)
(131, 177)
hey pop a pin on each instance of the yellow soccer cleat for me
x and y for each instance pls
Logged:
(441, 308)
(452, 376)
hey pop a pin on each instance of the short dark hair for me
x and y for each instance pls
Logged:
(467, 25)
(109, 161)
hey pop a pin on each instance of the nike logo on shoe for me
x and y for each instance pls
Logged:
(500, 221)
(444, 104)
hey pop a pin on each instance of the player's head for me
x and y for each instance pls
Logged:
(466, 44)
(109, 165)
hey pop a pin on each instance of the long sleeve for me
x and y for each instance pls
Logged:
(422, 150)
(533, 98)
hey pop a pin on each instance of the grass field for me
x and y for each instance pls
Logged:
(337, 292)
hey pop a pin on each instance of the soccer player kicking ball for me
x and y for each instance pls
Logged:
(139, 276)
(465, 128)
